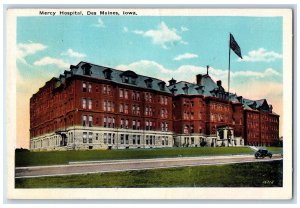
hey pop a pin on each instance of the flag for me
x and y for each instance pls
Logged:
(235, 46)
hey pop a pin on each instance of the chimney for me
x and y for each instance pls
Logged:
(207, 67)
(240, 99)
(271, 108)
(219, 83)
(198, 79)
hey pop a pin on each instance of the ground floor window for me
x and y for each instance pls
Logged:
(90, 137)
(84, 137)
(105, 138)
(138, 139)
(122, 138)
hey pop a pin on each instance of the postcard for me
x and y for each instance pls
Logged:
(136, 103)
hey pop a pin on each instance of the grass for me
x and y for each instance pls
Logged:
(260, 174)
(26, 158)
(275, 150)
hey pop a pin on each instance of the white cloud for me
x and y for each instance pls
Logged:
(51, 61)
(266, 73)
(125, 29)
(261, 55)
(162, 36)
(100, 23)
(185, 56)
(188, 72)
(73, 54)
(26, 49)
(184, 29)
(138, 32)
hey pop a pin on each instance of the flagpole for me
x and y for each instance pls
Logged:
(229, 68)
(228, 85)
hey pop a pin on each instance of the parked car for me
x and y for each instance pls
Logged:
(261, 153)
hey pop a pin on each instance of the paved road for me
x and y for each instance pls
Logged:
(75, 168)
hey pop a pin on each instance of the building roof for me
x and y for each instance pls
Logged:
(208, 87)
(116, 76)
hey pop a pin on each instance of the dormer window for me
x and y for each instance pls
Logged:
(133, 80)
(86, 69)
(125, 79)
(200, 89)
(185, 89)
(149, 82)
(162, 86)
(129, 77)
(107, 73)
(173, 90)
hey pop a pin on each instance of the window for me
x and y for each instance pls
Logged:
(137, 96)
(122, 123)
(133, 139)
(97, 136)
(138, 139)
(192, 128)
(147, 125)
(107, 89)
(122, 138)
(90, 104)
(90, 121)
(83, 120)
(133, 124)
(138, 110)
(121, 93)
(126, 79)
(108, 106)
(104, 121)
(83, 103)
(126, 123)
(186, 129)
(150, 98)
(146, 97)
(113, 122)
(127, 138)
(83, 87)
(105, 138)
(162, 113)
(84, 136)
(105, 105)
(126, 94)
(126, 109)
(90, 137)
(138, 125)
(109, 122)
(109, 138)
(90, 87)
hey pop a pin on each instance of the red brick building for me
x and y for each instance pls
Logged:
(96, 107)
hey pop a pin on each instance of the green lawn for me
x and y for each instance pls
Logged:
(260, 174)
(275, 150)
(63, 157)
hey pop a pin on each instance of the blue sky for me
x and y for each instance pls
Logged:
(162, 47)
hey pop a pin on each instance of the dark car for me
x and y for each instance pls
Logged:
(263, 153)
